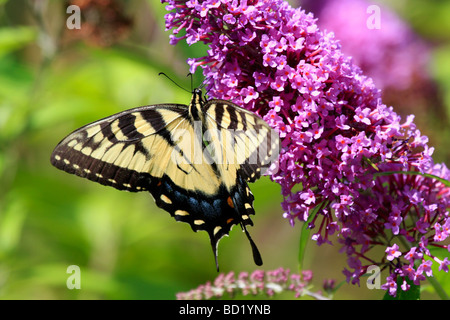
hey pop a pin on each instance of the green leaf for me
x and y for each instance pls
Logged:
(416, 173)
(15, 38)
(412, 294)
(304, 236)
(440, 281)
(12, 220)
(373, 165)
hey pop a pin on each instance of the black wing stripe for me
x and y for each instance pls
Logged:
(100, 171)
(233, 123)
(156, 120)
(128, 128)
(243, 121)
(219, 112)
(109, 134)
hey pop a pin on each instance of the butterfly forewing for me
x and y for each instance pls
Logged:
(117, 150)
(242, 139)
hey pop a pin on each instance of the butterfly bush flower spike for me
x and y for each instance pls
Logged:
(259, 282)
(339, 141)
(391, 53)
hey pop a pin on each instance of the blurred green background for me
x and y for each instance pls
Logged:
(54, 80)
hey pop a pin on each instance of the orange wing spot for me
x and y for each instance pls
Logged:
(230, 202)
(230, 220)
(159, 184)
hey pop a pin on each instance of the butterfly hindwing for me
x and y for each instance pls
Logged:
(195, 160)
(216, 214)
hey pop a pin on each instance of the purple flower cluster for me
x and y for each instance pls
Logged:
(340, 143)
(405, 213)
(258, 282)
(392, 55)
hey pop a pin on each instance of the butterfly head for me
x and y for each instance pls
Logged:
(196, 105)
(197, 96)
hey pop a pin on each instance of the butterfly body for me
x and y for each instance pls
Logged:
(195, 160)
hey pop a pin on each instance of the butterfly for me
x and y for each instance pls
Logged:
(196, 160)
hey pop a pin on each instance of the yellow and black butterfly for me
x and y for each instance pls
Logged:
(195, 160)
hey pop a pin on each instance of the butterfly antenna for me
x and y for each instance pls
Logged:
(192, 80)
(204, 83)
(256, 255)
(162, 73)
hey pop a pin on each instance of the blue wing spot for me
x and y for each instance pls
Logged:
(237, 197)
(206, 206)
(193, 203)
(217, 205)
(179, 196)
(168, 187)
(209, 210)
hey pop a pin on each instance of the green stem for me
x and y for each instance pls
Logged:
(405, 243)
(432, 176)
(438, 288)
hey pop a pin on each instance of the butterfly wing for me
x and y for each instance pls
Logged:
(241, 144)
(244, 141)
(159, 149)
(153, 148)
(120, 150)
